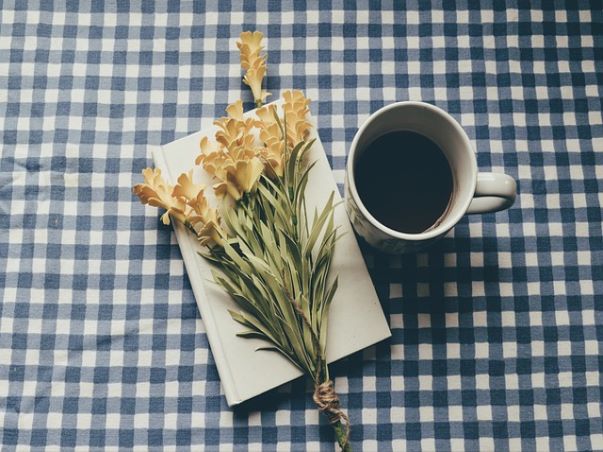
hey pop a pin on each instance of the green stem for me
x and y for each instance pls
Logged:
(344, 443)
(341, 430)
(189, 226)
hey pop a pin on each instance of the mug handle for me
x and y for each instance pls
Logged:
(494, 192)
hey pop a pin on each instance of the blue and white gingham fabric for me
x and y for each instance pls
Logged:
(497, 330)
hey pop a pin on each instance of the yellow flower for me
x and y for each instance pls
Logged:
(237, 167)
(273, 151)
(234, 158)
(186, 202)
(296, 109)
(156, 192)
(241, 177)
(215, 162)
(254, 77)
(235, 110)
(266, 114)
(205, 221)
(210, 233)
(245, 125)
(247, 173)
(250, 47)
(186, 190)
(270, 134)
(233, 130)
(230, 131)
(206, 148)
(273, 154)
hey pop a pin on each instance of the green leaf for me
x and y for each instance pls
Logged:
(277, 349)
(252, 334)
(318, 223)
(302, 183)
(292, 163)
(252, 323)
(276, 263)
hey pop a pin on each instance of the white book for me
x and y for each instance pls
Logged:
(356, 319)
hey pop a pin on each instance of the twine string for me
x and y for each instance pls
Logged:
(327, 401)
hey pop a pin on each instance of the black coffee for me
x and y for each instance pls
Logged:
(404, 180)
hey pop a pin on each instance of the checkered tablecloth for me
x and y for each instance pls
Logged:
(497, 330)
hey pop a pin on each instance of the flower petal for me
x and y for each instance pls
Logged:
(186, 190)
(235, 110)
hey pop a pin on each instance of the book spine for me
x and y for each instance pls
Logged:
(188, 249)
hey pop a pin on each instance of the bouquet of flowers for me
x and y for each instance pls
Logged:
(270, 254)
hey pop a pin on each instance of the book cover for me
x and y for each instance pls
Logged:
(356, 319)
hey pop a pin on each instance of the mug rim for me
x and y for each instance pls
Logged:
(449, 222)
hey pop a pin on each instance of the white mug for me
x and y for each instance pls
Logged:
(472, 192)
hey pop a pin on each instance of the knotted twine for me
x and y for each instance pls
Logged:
(327, 401)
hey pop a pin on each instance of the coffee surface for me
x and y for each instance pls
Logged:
(404, 180)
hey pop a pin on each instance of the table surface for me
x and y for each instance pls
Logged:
(497, 330)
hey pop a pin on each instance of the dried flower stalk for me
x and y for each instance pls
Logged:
(270, 255)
